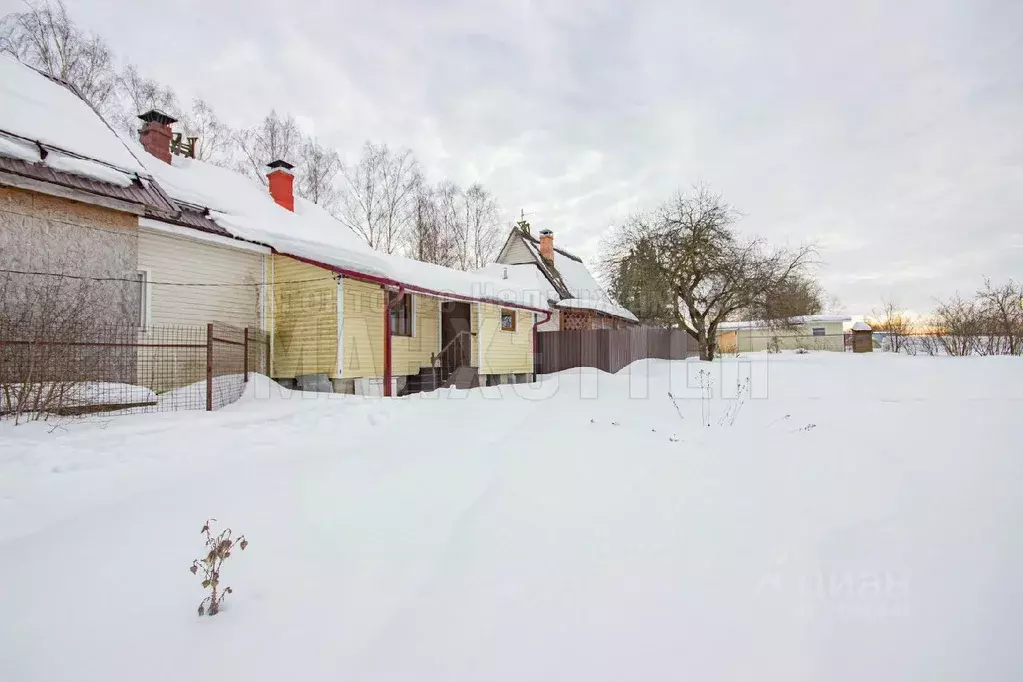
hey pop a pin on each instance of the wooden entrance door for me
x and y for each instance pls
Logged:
(456, 334)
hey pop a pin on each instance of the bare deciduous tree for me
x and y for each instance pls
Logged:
(139, 94)
(1002, 309)
(427, 238)
(318, 171)
(482, 214)
(274, 138)
(216, 139)
(708, 269)
(958, 325)
(378, 195)
(894, 323)
(45, 36)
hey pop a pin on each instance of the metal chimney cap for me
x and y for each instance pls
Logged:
(280, 163)
(157, 116)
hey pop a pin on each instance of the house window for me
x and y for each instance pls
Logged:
(507, 320)
(143, 280)
(401, 314)
(818, 331)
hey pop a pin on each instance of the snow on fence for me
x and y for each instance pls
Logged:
(609, 349)
(103, 367)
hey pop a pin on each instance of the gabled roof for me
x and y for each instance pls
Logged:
(571, 284)
(52, 140)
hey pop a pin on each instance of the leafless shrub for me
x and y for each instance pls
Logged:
(958, 325)
(1002, 309)
(893, 322)
(41, 321)
(218, 551)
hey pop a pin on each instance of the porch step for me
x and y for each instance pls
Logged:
(463, 377)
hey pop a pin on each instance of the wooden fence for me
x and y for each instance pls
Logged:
(609, 349)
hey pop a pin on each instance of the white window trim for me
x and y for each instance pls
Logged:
(824, 331)
(147, 298)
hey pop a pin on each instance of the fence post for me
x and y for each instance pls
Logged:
(245, 352)
(209, 367)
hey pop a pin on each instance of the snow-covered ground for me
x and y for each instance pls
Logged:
(578, 529)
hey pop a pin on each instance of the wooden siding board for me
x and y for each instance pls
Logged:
(305, 319)
(174, 259)
(506, 352)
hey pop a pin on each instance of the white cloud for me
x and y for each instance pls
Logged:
(887, 132)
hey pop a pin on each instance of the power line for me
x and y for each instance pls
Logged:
(172, 284)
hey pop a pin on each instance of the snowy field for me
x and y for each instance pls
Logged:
(859, 520)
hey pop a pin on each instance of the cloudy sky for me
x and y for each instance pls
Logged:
(889, 132)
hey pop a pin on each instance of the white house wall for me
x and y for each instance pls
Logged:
(170, 258)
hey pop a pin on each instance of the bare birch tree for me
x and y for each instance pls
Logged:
(216, 139)
(138, 94)
(44, 36)
(318, 171)
(482, 214)
(275, 137)
(427, 238)
(378, 195)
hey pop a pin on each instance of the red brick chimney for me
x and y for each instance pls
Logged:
(155, 135)
(282, 183)
(547, 244)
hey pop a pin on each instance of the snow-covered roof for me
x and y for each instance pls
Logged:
(803, 319)
(584, 290)
(39, 109)
(861, 326)
(244, 208)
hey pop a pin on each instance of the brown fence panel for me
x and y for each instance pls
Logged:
(609, 349)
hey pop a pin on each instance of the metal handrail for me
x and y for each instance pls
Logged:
(458, 337)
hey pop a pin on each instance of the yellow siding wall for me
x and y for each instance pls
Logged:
(506, 352)
(363, 333)
(305, 319)
(170, 258)
(753, 340)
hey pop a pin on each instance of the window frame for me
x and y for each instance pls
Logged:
(514, 319)
(823, 331)
(408, 307)
(144, 277)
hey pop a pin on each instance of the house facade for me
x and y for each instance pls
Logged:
(166, 240)
(323, 292)
(578, 301)
(810, 332)
(71, 197)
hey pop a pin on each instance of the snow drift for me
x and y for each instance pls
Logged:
(579, 528)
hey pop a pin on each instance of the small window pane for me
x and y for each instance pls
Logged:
(818, 331)
(508, 320)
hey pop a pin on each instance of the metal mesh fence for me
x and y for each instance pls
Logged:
(93, 368)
